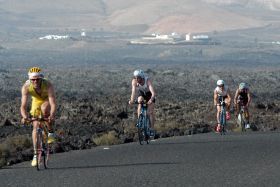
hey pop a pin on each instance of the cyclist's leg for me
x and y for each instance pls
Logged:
(218, 113)
(35, 112)
(35, 125)
(237, 109)
(247, 114)
(45, 108)
(218, 116)
(151, 114)
(150, 108)
(228, 104)
(248, 126)
(139, 99)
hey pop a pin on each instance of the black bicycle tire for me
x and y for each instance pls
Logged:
(223, 121)
(243, 122)
(147, 134)
(38, 150)
(140, 130)
(140, 136)
(46, 150)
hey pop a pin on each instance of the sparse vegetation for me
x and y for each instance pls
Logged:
(110, 138)
(13, 146)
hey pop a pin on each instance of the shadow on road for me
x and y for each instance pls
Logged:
(91, 166)
(112, 165)
(197, 142)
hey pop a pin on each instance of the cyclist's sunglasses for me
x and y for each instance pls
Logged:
(33, 80)
(221, 85)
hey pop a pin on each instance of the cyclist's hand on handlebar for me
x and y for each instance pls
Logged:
(51, 119)
(24, 120)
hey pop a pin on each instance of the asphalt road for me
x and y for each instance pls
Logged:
(249, 159)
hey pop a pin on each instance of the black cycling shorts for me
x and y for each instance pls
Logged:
(221, 97)
(242, 102)
(146, 95)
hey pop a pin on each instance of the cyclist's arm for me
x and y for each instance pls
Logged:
(133, 91)
(215, 98)
(236, 96)
(228, 95)
(249, 98)
(24, 98)
(52, 101)
(152, 90)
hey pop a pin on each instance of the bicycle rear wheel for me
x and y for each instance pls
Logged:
(39, 140)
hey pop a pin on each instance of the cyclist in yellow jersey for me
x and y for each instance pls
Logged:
(43, 103)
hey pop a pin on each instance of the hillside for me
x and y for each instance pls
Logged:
(138, 16)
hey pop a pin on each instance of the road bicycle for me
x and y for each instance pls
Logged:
(143, 124)
(223, 120)
(242, 117)
(42, 149)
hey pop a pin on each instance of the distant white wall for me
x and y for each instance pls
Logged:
(188, 37)
(53, 37)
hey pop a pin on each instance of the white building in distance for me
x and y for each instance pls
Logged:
(53, 37)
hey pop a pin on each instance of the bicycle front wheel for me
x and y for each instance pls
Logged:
(141, 136)
(223, 122)
(147, 130)
(46, 150)
(39, 140)
(141, 132)
(243, 122)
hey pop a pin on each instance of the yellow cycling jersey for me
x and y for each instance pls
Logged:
(38, 99)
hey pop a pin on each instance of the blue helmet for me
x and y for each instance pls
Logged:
(242, 86)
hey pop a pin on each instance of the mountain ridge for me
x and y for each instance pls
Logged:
(141, 17)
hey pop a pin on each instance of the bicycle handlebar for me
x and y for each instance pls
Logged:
(30, 120)
(143, 102)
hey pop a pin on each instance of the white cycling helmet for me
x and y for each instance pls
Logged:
(220, 82)
(139, 73)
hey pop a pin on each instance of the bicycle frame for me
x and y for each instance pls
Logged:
(242, 117)
(143, 124)
(41, 146)
(223, 119)
(43, 149)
